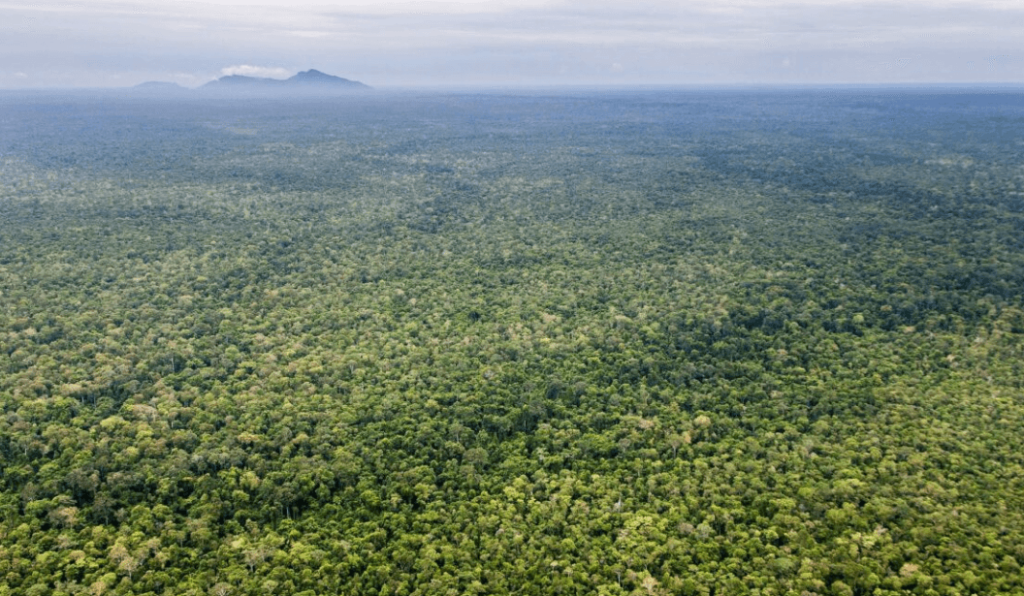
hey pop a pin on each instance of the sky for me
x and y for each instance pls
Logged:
(409, 43)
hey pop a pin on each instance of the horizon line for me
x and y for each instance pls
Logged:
(580, 85)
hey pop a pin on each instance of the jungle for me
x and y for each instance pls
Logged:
(611, 341)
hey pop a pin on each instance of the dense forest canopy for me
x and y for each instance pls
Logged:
(651, 342)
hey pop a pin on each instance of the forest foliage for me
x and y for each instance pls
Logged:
(665, 342)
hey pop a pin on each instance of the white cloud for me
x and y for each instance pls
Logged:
(268, 72)
(21, 75)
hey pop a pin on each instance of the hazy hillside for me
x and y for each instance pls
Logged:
(303, 82)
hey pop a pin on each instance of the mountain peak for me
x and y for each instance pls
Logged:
(313, 74)
(309, 80)
(316, 77)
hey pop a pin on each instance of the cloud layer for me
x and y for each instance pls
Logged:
(267, 72)
(99, 43)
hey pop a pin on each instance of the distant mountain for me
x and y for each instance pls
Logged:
(304, 82)
(158, 86)
(315, 78)
(158, 89)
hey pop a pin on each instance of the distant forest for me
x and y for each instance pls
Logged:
(697, 343)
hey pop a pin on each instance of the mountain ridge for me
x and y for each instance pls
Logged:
(310, 81)
(159, 85)
(305, 80)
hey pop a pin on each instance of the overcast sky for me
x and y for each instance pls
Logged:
(388, 43)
